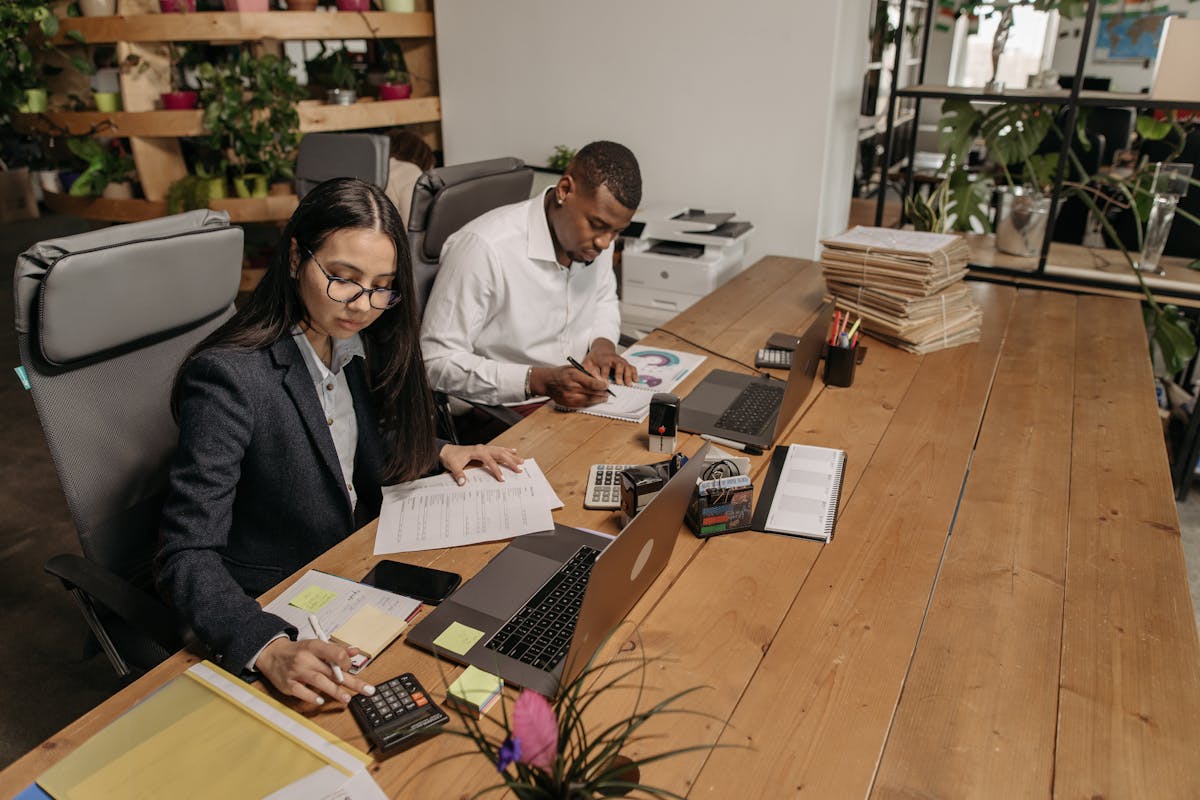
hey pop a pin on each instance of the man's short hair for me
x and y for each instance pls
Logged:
(609, 164)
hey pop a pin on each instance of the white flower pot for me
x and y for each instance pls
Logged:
(98, 8)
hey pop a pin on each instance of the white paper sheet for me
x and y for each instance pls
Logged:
(435, 512)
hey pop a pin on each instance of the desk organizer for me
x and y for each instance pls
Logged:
(840, 363)
(721, 506)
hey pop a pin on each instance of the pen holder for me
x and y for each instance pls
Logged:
(722, 505)
(839, 365)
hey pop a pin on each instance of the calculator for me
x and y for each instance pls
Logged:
(603, 489)
(399, 710)
(773, 357)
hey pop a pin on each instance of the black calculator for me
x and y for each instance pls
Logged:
(399, 710)
(773, 357)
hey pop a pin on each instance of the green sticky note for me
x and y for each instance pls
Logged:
(312, 599)
(475, 686)
(458, 638)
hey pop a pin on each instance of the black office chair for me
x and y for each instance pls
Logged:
(323, 156)
(445, 199)
(104, 319)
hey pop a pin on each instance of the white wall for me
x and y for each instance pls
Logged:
(1127, 76)
(747, 107)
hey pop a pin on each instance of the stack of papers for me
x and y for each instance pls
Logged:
(906, 285)
(474, 692)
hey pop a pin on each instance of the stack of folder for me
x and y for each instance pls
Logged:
(906, 285)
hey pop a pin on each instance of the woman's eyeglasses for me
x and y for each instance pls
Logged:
(343, 290)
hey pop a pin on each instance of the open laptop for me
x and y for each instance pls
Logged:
(750, 408)
(541, 607)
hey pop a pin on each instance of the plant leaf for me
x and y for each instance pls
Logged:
(957, 129)
(1013, 131)
(536, 727)
(968, 200)
(1150, 128)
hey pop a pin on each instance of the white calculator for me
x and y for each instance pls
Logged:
(603, 490)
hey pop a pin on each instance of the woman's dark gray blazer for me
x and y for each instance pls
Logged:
(256, 490)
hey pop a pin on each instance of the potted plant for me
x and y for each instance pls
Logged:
(181, 96)
(107, 165)
(250, 115)
(354, 5)
(97, 8)
(26, 28)
(177, 6)
(395, 84)
(334, 71)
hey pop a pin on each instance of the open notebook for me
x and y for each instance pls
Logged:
(659, 370)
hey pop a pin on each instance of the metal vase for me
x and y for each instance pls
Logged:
(1021, 214)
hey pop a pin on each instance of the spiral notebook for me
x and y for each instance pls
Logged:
(659, 370)
(800, 495)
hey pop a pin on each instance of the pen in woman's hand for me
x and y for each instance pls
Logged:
(579, 367)
(319, 632)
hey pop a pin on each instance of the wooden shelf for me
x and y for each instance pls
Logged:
(1047, 96)
(254, 209)
(314, 116)
(225, 26)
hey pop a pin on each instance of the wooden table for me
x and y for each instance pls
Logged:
(1021, 628)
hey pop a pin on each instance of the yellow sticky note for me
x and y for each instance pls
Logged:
(458, 638)
(312, 599)
(370, 630)
(475, 686)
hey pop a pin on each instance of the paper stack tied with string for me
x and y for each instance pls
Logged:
(907, 286)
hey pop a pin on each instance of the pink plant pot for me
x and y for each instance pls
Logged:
(179, 101)
(395, 91)
(354, 5)
(176, 6)
(247, 5)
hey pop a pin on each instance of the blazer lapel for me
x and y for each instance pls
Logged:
(297, 382)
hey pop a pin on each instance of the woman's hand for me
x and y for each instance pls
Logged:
(302, 669)
(455, 458)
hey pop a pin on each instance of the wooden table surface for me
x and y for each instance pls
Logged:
(1003, 612)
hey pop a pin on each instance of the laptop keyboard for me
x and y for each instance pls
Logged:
(752, 408)
(539, 634)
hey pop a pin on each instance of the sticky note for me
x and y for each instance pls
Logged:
(312, 599)
(475, 687)
(370, 630)
(458, 638)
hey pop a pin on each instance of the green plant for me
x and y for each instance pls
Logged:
(1069, 9)
(250, 113)
(561, 158)
(332, 69)
(391, 58)
(106, 163)
(549, 752)
(26, 30)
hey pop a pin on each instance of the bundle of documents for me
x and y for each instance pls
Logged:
(906, 285)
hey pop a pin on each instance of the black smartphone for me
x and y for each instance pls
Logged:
(426, 584)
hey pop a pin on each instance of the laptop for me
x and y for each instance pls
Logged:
(752, 409)
(548, 600)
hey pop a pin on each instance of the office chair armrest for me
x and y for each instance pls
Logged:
(127, 601)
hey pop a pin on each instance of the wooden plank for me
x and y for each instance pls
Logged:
(238, 27)
(314, 116)
(1129, 706)
(815, 718)
(977, 716)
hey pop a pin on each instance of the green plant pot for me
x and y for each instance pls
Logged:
(107, 101)
(397, 6)
(216, 189)
(36, 101)
(250, 185)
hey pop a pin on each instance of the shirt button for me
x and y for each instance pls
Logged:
(329, 386)
(329, 420)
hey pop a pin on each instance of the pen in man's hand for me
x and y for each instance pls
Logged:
(319, 632)
(579, 367)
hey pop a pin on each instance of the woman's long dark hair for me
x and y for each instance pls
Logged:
(396, 370)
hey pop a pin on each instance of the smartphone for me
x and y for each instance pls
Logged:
(426, 584)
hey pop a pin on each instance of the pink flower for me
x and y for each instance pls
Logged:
(536, 728)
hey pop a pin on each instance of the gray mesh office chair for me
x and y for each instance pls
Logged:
(444, 200)
(104, 319)
(322, 156)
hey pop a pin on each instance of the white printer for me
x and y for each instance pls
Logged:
(672, 257)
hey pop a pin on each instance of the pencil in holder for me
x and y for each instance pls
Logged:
(839, 365)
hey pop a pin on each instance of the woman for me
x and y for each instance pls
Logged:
(291, 416)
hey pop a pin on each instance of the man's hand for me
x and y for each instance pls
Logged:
(301, 669)
(568, 386)
(456, 457)
(602, 360)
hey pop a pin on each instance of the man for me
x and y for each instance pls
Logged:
(527, 286)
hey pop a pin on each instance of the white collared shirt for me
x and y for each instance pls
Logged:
(502, 303)
(336, 400)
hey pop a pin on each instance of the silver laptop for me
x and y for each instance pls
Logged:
(753, 409)
(548, 600)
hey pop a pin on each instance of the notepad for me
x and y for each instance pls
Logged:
(474, 691)
(659, 370)
(800, 495)
(370, 630)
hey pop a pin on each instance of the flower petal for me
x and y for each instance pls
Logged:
(510, 751)
(536, 726)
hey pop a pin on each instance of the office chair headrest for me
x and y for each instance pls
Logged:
(118, 286)
(447, 198)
